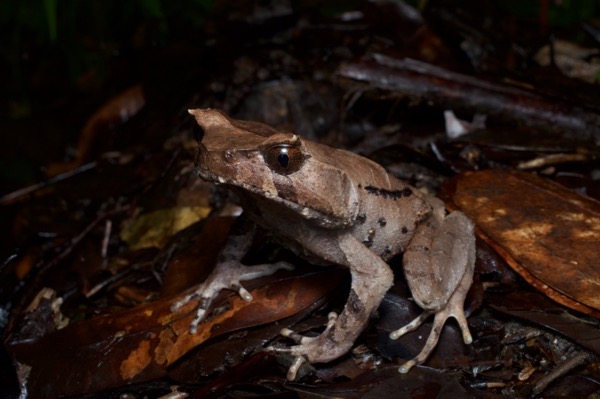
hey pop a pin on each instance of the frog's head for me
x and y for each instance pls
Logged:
(276, 166)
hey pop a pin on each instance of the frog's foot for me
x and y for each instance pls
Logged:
(453, 309)
(227, 275)
(319, 349)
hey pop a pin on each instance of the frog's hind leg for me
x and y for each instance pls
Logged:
(438, 264)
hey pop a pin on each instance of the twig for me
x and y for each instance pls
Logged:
(559, 371)
(554, 159)
(106, 238)
(77, 239)
(18, 195)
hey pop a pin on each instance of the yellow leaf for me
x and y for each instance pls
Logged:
(154, 229)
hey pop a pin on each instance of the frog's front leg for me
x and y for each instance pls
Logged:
(229, 272)
(371, 278)
(439, 263)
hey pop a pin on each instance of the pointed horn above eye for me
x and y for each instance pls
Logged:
(210, 117)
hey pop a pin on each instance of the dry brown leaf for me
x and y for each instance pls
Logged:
(547, 234)
(139, 344)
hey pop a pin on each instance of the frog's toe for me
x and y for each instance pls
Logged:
(464, 326)
(265, 269)
(436, 329)
(293, 370)
(230, 276)
(434, 335)
(206, 295)
(413, 325)
(303, 339)
(309, 349)
(298, 361)
(197, 293)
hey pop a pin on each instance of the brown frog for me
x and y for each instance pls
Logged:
(332, 206)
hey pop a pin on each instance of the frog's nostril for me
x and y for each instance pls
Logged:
(229, 156)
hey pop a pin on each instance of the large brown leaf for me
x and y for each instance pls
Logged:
(139, 344)
(547, 234)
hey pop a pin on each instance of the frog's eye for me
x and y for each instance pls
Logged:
(284, 158)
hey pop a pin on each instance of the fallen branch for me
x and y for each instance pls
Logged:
(428, 83)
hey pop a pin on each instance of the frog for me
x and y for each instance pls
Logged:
(333, 207)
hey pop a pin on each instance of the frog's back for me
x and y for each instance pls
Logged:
(389, 210)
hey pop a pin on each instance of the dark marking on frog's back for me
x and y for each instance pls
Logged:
(386, 252)
(361, 218)
(392, 194)
(368, 242)
(382, 222)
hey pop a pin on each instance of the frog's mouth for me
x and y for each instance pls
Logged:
(211, 177)
(240, 187)
(245, 190)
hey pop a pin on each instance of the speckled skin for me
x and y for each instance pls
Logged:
(335, 207)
